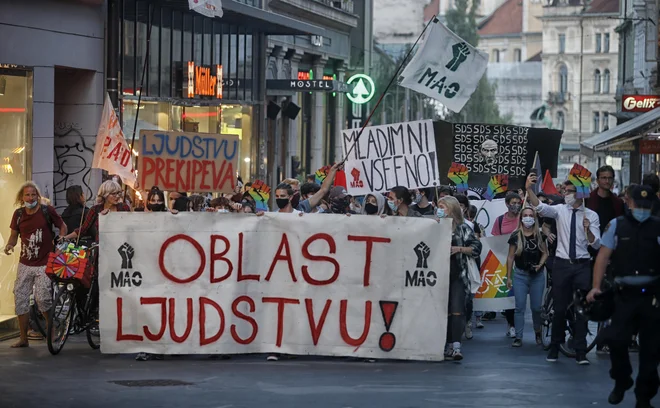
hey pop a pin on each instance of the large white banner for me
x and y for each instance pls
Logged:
(386, 156)
(493, 293)
(490, 210)
(318, 284)
(445, 67)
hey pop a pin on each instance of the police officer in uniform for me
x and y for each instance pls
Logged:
(633, 242)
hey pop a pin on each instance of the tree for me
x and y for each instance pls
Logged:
(481, 108)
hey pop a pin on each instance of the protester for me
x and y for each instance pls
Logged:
(307, 205)
(307, 191)
(652, 180)
(374, 204)
(399, 200)
(602, 201)
(74, 214)
(577, 229)
(295, 184)
(340, 201)
(424, 201)
(632, 242)
(221, 205)
(178, 201)
(196, 203)
(527, 255)
(444, 191)
(463, 246)
(33, 222)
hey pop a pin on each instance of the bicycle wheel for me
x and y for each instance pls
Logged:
(547, 314)
(93, 331)
(37, 320)
(60, 320)
(568, 348)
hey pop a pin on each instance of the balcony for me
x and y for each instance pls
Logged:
(337, 14)
(345, 5)
(557, 98)
(253, 3)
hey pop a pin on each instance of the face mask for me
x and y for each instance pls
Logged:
(156, 207)
(514, 208)
(392, 206)
(418, 198)
(528, 221)
(371, 209)
(31, 205)
(282, 202)
(569, 199)
(440, 213)
(641, 214)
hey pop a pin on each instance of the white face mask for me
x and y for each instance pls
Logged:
(570, 199)
(528, 222)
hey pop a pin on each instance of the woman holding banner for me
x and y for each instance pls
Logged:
(527, 255)
(464, 245)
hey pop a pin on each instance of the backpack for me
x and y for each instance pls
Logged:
(44, 211)
(499, 222)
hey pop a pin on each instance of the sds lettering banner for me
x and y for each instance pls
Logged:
(204, 283)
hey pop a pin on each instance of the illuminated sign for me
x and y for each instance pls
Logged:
(203, 81)
(300, 85)
(363, 90)
(640, 103)
(307, 75)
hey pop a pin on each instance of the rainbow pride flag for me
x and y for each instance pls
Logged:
(580, 177)
(493, 278)
(497, 184)
(321, 174)
(260, 192)
(458, 174)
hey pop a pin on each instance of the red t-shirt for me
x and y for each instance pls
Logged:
(36, 236)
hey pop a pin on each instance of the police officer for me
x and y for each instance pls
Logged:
(633, 242)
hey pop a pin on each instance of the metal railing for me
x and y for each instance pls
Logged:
(344, 5)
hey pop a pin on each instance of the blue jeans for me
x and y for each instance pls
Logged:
(525, 283)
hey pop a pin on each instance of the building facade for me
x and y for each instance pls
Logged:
(580, 64)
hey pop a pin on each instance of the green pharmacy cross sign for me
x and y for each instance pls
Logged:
(363, 91)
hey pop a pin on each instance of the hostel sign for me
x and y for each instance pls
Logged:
(202, 81)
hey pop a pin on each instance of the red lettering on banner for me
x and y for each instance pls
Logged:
(160, 165)
(228, 176)
(218, 175)
(284, 244)
(240, 315)
(170, 165)
(172, 319)
(197, 168)
(181, 184)
(149, 168)
(161, 258)
(343, 305)
(205, 172)
(120, 321)
(125, 157)
(280, 314)
(203, 340)
(107, 142)
(370, 245)
(220, 257)
(316, 329)
(163, 321)
(242, 277)
(114, 153)
(305, 252)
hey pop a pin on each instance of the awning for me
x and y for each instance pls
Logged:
(631, 130)
(257, 19)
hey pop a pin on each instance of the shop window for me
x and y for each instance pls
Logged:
(153, 78)
(128, 49)
(153, 116)
(15, 154)
(165, 53)
(141, 42)
(198, 43)
(187, 38)
(207, 42)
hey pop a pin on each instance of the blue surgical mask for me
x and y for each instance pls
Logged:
(30, 205)
(440, 213)
(641, 214)
(392, 206)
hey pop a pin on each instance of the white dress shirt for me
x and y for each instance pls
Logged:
(563, 213)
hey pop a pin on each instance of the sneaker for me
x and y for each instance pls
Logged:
(619, 391)
(603, 351)
(517, 343)
(272, 357)
(553, 354)
(456, 355)
(539, 338)
(581, 359)
(480, 324)
(468, 330)
(511, 332)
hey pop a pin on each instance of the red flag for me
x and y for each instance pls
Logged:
(340, 179)
(548, 186)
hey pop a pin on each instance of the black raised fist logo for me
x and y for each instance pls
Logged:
(461, 52)
(422, 251)
(126, 252)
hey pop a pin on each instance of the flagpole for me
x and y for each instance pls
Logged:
(396, 74)
(140, 91)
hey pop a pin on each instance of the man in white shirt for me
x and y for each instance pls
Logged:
(577, 228)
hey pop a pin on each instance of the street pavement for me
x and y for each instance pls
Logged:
(492, 375)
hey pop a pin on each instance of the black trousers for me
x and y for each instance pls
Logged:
(635, 311)
(566, 278)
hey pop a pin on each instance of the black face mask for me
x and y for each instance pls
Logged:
(340, 206)
(156, 207)
(371, 209)
(282, 202)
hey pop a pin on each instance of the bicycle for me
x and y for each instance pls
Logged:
(72, 314)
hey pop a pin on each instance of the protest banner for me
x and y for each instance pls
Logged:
(487, 150)
(493, 293)
(112, 152)
(445, 67)
(489, 212)
(182, 161)
(386, 156)
(199, 283)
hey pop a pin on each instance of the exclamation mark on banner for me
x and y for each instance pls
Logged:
(387, 339)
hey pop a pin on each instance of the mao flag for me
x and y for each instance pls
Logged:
(445, 67)
(112, 152)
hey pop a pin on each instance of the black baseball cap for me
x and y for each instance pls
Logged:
(643, 196)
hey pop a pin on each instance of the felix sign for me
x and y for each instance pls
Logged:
(640, 103)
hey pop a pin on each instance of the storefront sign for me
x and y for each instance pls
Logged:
(301, 85)
(622, 147)
(305, 75)
(203, 81)
(640, 103)
(363, 89)
(649, 146)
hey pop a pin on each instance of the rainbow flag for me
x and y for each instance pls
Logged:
(497, 184)
(321, 174)
(260, 192)
(458, 174)
(493, 277)
(580, 177)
